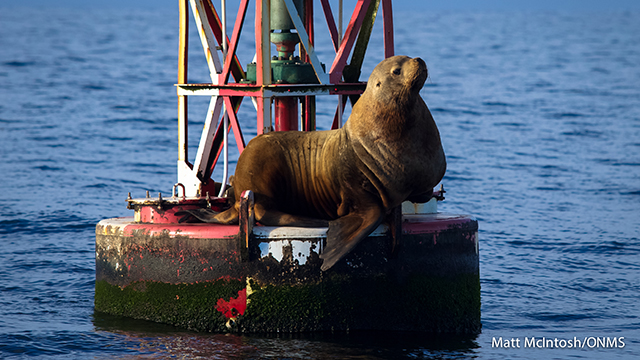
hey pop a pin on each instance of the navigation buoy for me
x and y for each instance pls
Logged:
(420, 273)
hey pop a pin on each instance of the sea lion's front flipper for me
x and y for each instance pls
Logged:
(421, 198)
(347, 231)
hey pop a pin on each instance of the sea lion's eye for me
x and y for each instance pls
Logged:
(396, 71)
(378, 84)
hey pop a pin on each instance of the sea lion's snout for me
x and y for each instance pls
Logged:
(422, 66)
(420, 72)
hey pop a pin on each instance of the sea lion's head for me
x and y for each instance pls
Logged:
(397, 79)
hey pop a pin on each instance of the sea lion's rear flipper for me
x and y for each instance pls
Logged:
(229, 216)
(346, 232)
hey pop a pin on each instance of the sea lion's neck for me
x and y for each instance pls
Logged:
(377, 120)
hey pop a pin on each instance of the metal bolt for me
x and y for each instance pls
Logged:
(441, 192)
(159, 201)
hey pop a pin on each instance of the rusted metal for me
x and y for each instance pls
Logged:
(163, 210)
(421, 235)
(246, 221)
(439, 195)
(173, 192)
(143, 270)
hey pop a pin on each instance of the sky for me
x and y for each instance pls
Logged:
(419, 5)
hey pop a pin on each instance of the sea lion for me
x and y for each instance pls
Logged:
(347, 179)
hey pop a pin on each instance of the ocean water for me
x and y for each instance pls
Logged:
(539, 114)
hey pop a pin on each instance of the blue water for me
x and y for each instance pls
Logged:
(540, 120)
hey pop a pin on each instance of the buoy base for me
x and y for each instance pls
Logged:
(194, 276)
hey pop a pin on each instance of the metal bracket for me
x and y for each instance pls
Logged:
(173, 192)
(440, 195)
(246, 221)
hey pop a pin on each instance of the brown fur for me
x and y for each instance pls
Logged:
(389, 151)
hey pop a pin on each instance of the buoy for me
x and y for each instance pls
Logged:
(421, 273)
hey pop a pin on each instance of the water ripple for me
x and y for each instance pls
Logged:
(538, 114)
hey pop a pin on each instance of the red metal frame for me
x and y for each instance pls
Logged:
(387, 15)
(183, 59)
(231, 52)
(235, 124)
(331, 23)
(308, 102)
(348, 39)
(216, 27)
(285, 111)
